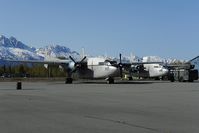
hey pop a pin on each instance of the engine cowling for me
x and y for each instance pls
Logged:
(137, 68)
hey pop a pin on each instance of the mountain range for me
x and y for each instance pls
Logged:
(11, 48)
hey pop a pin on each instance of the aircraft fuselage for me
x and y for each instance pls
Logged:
(98, 68)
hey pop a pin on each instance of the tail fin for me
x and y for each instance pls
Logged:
(197, 57)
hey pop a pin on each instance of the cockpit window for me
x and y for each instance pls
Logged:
(111, 62)
(101, 63)
(156, 67)
(104, 63)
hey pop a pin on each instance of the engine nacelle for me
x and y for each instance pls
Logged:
(71, 65)
(140, 67)
(46, 66)
(136, 68)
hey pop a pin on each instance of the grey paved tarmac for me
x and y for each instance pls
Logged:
(135, 107)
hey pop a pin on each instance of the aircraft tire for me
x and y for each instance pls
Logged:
(110, 80)
(130, 78)
(181, 79)
(69, 81)
(190, 80)
(171, 78)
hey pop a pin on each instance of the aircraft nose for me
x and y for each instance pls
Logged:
(113, 70)
(165, 71)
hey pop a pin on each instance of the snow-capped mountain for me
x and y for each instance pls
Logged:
(152, 59)
(14, 43)
(159, 59)
(18, 54)
(22, 54)
(127, 59)
(11, 48)
(54, 51)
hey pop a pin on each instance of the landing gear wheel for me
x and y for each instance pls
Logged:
(190, 80)
(130, 78)
(69, 81)
(181, 79)
(110, 80)
(171, 78)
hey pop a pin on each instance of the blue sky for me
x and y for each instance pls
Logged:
(166, 28)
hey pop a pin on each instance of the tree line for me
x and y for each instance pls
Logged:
(29, 70)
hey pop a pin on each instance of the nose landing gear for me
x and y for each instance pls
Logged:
(110, 80)
(69, 81)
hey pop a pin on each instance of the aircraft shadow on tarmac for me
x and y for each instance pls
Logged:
(119, 82)
(129, 82)
(23, 88)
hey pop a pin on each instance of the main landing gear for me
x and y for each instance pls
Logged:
(69, 81)
(110, 80)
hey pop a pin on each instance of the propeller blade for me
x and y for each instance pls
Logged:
(83, 59)
(120, 58)
(72, 59)
(78, 64)
(120, 65)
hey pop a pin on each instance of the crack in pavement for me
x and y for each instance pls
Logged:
(123, 123)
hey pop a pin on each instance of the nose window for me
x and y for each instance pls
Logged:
(108, 63)
(101, 63)
(104, 63)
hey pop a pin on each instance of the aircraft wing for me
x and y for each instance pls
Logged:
(142, 63)
(183, 66)
(128, 66)
(139, 63)
(193, 59)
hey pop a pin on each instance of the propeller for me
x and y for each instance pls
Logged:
(120, 65)
(140, 68)
(79, 64)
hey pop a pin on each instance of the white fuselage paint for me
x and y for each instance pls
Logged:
(155, 70)
(98, 68)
